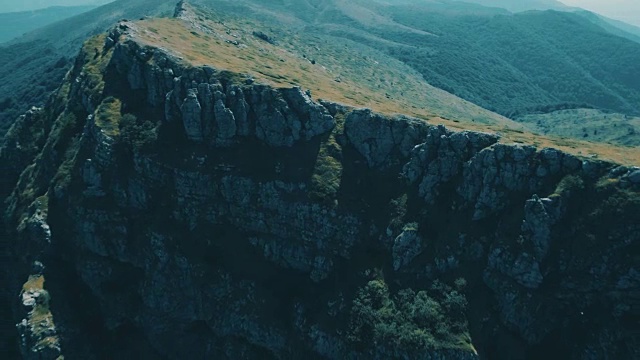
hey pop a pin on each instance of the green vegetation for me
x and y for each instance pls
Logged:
(67, 141)
(96, 63)
(108, 116)
(136, 133)
(15, 24)
(514, 64)
(409, 321)
(588, 124)
(327, 173)
(29, 73)
(34, 67)
(40, 317)
(569, 184)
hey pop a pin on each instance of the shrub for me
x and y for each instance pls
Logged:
(408, 321)
(136, 133)
(569, 183)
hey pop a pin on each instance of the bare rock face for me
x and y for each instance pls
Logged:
(381, 139)
(211, 239)
(442, 157)
(217, 112)
(501, 169)
(524, 268)
(406, 247)
(192, 116)
(540, 216)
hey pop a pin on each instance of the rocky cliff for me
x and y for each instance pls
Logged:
(162, 210)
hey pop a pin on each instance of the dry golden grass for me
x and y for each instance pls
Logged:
(35, 282)
(108, 116)
(281, 67)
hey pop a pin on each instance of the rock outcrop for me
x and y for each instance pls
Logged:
(189, 228)
(212, 109)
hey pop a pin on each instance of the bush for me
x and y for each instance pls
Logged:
(569, 183)
(408, 321)
(137, 134)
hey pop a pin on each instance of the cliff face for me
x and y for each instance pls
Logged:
(196, 213)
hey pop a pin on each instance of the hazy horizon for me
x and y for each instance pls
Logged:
(29, 5)
(623, 10)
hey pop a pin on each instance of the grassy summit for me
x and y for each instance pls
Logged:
(341, 72)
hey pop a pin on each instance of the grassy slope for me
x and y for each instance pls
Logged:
(13, 25)
(589, 124)
(327, 31)
(366, 77)
(285, 66)
(512, 64)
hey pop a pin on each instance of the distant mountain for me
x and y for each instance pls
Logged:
(521, 5)
(15, 24)
(517, 63)
(30, 5)
(615, 27)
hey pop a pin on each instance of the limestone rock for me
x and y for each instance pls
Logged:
(522, 268)
(501, 169)
(406, 247)
(442, 157)
(314, 117)
(240, 109)
(191, 116)
(537, 223)
(378, 138)
(634, 177)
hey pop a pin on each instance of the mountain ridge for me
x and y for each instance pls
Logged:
(177, 209)
(371, 25)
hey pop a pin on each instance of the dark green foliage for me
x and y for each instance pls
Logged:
(29, 73)
(136, 133)
(31, 69)
(15, 24)
(517, 63)
(570, 183)
(409, 321)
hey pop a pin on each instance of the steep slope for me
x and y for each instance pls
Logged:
(615, 27)
(181, 209)
(13, 25)
(505, 62)
(32, 66)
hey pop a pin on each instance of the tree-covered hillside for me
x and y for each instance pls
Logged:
(515, 64)
(15, 24)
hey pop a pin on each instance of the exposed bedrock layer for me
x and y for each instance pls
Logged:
(165, 210)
